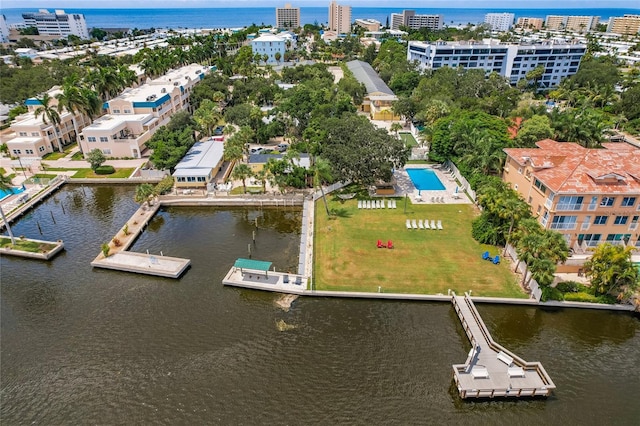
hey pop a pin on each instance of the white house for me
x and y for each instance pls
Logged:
(270, 45)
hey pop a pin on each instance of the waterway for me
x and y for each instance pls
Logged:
(89, 346)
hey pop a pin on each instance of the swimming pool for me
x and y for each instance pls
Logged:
(425, 180)
(11, 191)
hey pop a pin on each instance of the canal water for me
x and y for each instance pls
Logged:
(89, 346)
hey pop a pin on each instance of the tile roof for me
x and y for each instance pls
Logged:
(566, 167)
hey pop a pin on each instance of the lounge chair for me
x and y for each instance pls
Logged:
(285, 279)
(433, 199)
(368, 204)
(384, 204)
(426, 224)
(496, 260)
(389, 244)
(378, 204)
(408, 224)
(359, 204)
(433, 224)
(515, 371)
(486, 256)
(394, 204)
(380, 245)
(298, 280)
(414, 224)
(439, 224)
(420, 224)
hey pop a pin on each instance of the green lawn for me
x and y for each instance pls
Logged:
(422, 261)
(408, 139)
(25, 245)
(88, 173)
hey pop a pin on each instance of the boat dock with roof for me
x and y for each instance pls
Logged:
(491, 371)
(255, 274)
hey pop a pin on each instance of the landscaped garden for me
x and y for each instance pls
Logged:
(408, 139)
(26, 245)
(346, 256)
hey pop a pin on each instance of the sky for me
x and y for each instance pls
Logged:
(403, 4)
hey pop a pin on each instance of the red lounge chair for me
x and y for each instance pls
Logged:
(390, 244)
(380, 245)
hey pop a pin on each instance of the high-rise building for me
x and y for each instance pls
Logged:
(499, 21)
(510, 60)
(4, 29)
(58, 23)
(339, 18)
(288, 17)
(572, 23)
(626, 25)
(408, 18)
(530, 23)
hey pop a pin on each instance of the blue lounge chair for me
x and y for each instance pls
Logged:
(485, 255)
(496, 260)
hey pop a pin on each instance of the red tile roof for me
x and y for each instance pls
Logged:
(566, 167)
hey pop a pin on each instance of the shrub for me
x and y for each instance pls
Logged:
(125, 230)
(551, 293)
(581, 296)
(116, 242)
(164, 186)
(105, 170)
(571, 287)
(105, 249)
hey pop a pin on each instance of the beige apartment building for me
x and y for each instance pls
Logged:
(339, 18)
(530, 23)
(572, 23)
(288, 17)
(135, 115)
(31, 137)
(590, 196)
(625, 25)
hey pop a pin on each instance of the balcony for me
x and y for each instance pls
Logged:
(563, 226)
(568, 207)
(585, 226)
(633, 226)
(548, 202)
(592, 206)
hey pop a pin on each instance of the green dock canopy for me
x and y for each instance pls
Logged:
(256, 265)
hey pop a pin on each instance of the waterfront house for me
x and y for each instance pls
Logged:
(379, 98)
(200, 165)
(119, 136)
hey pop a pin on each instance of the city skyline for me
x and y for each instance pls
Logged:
(449, 4)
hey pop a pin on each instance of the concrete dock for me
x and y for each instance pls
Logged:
(270, 281)
(491, 371)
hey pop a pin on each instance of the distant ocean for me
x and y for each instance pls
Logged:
(240, 17)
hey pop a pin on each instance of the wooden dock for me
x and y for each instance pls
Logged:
(491, 371)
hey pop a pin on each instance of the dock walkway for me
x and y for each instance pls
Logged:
(490, 370)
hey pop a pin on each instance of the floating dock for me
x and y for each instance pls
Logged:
(491, 371)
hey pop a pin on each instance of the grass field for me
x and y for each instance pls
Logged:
(26, 245)
(422, 261)
(408, 139)
(88, 173)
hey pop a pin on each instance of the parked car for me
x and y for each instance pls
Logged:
(282, 147)
(258, 150)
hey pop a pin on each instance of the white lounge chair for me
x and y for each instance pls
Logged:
(439, 224)
(479, 372)
(420, 224)
(408, 224)
(414, 224)
(515, 371)
(378, 206)
(426, 224)
(433, 199)
(394, 204)
(368, 204)
(359, 204)
(433, 224)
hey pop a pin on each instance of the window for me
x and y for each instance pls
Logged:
(127, 111)
(41, 149)
(570, 203)
(540, 186)
(16, 151)
(35, 133)
(91, 138)
(607, 201)
(564, 222)
(22, 133)
(600, 220)
(104, 139)
(28, 151)
(628, 201)
(621, 220)
(591, 240)
(201, 179)
(106, 151)
(116, 111)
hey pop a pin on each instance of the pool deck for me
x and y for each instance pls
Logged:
(404, 185)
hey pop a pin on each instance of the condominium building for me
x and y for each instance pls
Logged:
(58, 23)
(35, 136)
(4, 29)
(408, 18)
(499, 21)
(288, 17)
(339, 18)
(625, 25)
(590, 196)
(530, 23)
(369, 24)
(572, 23)
(512, 61)
(271, 45)
(134, 116)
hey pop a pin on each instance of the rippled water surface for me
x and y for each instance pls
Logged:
(85, 346)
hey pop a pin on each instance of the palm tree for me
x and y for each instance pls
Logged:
(322, 172)
(72, 100)
(207, 116)
(524, 227)
(5, 184)
(263, 175)
(395, 127)
(242, 172)
(513, 208)
(144, 193)
(92, 104)
(49, 114)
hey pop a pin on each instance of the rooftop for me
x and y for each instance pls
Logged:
(202, 155)
(566, 167)
(364, 73)
(111, 121)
